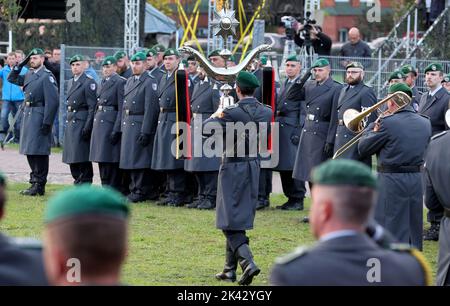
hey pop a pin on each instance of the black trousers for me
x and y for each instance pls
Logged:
(235, 239)
(436, 214)
(140, 181)
(82, 173)
(293, 189)
(207, 184)
(265, 183)
(39, 168)
(176, 181)
(111, 175)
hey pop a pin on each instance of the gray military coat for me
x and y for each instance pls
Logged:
(139, 116)
(435, 109)
(204, 102)
(319, 128)
(41, 95)
(401, 141)
(107, 120)
(81, 101)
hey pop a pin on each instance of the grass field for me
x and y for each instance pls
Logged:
(179, 246)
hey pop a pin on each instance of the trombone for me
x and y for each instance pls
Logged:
(354, 120)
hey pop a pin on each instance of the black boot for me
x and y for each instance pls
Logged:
(249, 268)
(197, 202)
(432, 234)
(229, 270)
(36, 189)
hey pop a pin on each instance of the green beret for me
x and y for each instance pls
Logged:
(140, 56)
(354, 65)
(171, 51)
(400, 87)
(247, 80)
(185, 62)
(263, 60)
(446, 78)
(84, 200)
(214, 53)
(109, 60)
(232, 59)
(36, 51)
(159, 48)
(434, 67)
(321, 62)
(76, 58)
(120, 54)
(407, 69)
(293, 58)
(151, 52)
(396, 75)
(344, 172)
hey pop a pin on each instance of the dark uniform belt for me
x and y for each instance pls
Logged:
(237, 159)
(289, 115)
(167, 110)
(447, 212)
(131, 113)
(399, 169)
(34, 104)
(72, 109)
(104, 108)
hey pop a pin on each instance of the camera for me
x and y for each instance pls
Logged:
(290, 23)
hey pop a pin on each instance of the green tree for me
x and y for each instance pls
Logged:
(162, 6)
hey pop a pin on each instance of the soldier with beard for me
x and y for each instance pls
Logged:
(123, 64)
(152, 66)
(358, 96)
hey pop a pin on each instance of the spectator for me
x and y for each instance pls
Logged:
(90, 71)
(20, 55)
(355, 47)
(12, 96)
(320, 42)
(99, 57)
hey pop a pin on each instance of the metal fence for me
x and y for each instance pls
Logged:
(377, 70)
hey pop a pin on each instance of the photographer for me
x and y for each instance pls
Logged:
(318, 40)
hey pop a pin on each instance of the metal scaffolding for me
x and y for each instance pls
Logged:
(131, 33)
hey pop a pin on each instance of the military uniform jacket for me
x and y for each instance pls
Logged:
(163, 158)
(437, 195)
(360, 97)
(290, 117)
(20, 266)
(204, 102)
(319, 128)
(127, 73)
(107, 120)
(157, 73)
(81, 101)
(435, 109)
(139, 116)
(41, 107)
(237, 189)
(417, 95)
(343, 261)
(401, 141)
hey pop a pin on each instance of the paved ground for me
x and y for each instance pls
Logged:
(15, 166)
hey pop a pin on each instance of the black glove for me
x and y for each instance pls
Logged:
(86, 134)
(46, 129)
(144, 139)
(23, 63)
(114, 138)
(328, 150)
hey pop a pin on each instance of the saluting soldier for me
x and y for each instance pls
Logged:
(139, 120)
(319, 130)
(342, 200)
(204, 102)
(163, 157)
(152, 66)
(40, 110)
(123, 64)
(106, 134)
(290, 117)
(399, 138)
(237, 192)
(358, 96)
(437, 195)
(410, 80)
(81, 101)
(434, 103)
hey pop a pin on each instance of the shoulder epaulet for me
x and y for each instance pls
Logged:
(336, 82)
(298, 252)
(150, 75)
(27, 243)
(89, 76)
(423, 115)
(366, 85)
(46, 70)
(439, 135)
(406, 248)
(231, 106)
